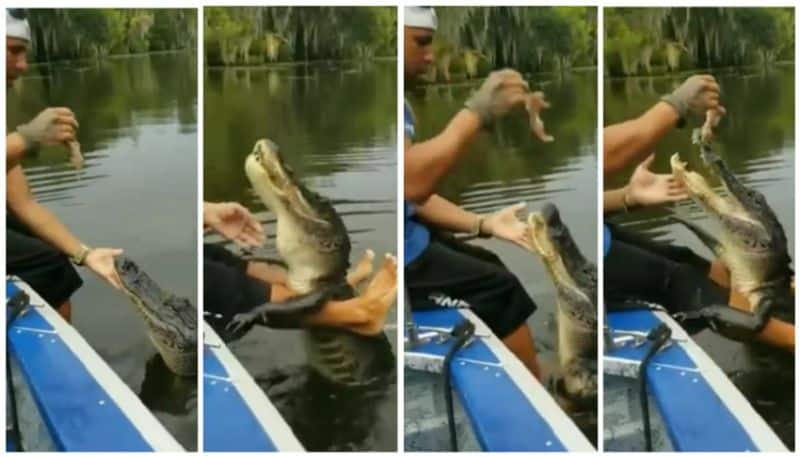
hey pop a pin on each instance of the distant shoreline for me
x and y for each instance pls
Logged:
(300, 63)
(692, 71)
(113, 56)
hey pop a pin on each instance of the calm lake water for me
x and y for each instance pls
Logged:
(336, 126)
(756, 139)
(137, 191)
(509, 165)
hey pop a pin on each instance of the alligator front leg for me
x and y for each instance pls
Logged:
(736, 324)
(287, 314)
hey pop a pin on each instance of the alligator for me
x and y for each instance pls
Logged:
(575, 281)
(314, 244)
(752, 242)
(171, 321)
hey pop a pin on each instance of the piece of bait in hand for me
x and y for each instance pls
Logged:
(534, 104)
(75, 156)
(712, 119)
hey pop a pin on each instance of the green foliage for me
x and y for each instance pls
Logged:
(530, 39)
(653, 40)
(65, 34)
(254, 35)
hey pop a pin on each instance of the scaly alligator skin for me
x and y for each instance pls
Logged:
(171, 321)
(313, 242)
(575, 281)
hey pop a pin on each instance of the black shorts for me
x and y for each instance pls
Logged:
(47, 270)
(451, 273)
(227, 289)
(675, 277)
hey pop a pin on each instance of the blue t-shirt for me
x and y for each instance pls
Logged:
(416, 237)
(606, 240)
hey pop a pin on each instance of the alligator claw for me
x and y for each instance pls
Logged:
(241, 322)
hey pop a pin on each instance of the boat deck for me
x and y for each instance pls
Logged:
(700, 408)
(68, 398)
(507, 408)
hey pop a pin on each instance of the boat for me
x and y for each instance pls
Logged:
(63, 396)
(237, 414)
(690, 402)
(497, 404)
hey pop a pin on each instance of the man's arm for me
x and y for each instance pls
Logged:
(632, 141)
(503, 224)
(15, 149)
(36, 217)
(426, 163)
(443, 213)
(615, 200)
(52, 126)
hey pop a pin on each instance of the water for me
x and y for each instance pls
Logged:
(509, 166)
(336, 126)
(756, 139)
(137, 191)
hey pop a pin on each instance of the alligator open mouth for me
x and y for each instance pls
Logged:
(575, 281)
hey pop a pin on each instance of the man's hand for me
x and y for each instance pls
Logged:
(234, 222)
(51, 127)
(695, 96)
(101, 262)
(502, 91)
(646, 188)
(506, 225)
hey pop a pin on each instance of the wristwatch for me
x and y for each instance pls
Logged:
(79, 258)
(477, 228)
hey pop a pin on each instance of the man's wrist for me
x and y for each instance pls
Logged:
(480, 227)
(680, 117)
(28, 144)
(79, 256)
(470, 119)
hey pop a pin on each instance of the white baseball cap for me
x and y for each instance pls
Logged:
(423, 17)
(17, 24)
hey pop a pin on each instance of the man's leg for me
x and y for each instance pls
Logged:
(634, 270)
(778, 334)
(65, 310)
(719, 273)
(265, 272)
(448, 275)
(41, 266)
(520, 342)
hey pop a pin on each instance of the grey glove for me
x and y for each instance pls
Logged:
(500, 93)
(695, 96)
(50, 127)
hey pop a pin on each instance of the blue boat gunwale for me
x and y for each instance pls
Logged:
(135, 417)
(695, 362)
(262, 411)
(498, 358)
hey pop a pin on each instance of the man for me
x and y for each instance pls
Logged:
(39, 247)
(637, 267)
(233, 285)
(439, 270)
